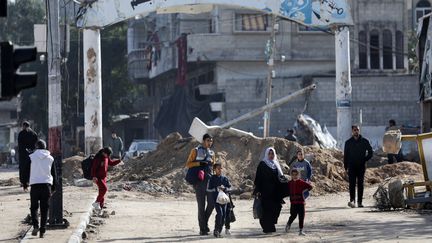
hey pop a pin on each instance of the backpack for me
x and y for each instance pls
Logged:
(86, 166)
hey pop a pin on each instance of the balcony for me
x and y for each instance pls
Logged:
(138, 65)
(216, 47)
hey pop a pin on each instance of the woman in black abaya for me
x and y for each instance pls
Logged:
(267, 188)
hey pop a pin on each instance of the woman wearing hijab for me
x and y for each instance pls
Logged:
(267, 187)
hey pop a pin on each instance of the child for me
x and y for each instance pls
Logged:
(296, 189)
(304, 168)
(99, 173)
(219, 182)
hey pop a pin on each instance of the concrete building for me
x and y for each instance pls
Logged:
(225, 54)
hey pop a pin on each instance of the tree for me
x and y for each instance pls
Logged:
(119, 93)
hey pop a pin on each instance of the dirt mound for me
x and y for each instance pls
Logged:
(240, 155)
(72, 169)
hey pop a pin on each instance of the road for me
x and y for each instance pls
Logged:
(142, 218)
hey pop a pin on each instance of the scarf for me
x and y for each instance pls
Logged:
(273, 164)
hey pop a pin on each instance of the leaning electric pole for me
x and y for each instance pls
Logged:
(54, 109)
(270, 49)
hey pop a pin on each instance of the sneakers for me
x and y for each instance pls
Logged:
(301, 233)
(203, 232)
(351, 204)
(360, 205)
(227, 232)
(35, 231)
(96, 206)
(217, 234)
(287, 228)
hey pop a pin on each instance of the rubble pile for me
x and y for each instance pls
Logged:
(164, 169)
(71, 169)
(10, 182)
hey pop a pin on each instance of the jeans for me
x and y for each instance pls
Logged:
(39, 196)
(204, 211)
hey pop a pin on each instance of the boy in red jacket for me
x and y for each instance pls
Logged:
(99, 173)
(296, 189)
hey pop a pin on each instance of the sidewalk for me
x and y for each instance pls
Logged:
(76, 203)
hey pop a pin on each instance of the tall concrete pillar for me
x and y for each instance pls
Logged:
(343, 85)
(92, 91)
(55, 125)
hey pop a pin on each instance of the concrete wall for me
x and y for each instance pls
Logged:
(379, 97)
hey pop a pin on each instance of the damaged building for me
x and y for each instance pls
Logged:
(213, 65)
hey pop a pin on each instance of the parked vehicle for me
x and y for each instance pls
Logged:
(139, 147)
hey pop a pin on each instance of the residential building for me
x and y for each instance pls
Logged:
(226, 55)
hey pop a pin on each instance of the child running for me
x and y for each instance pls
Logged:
(296, 188)
(219, 182)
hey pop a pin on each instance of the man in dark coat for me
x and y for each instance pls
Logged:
(356, 153)
(27, 139)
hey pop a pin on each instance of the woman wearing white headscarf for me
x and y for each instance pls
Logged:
(268, 188)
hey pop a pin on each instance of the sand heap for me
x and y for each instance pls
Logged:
(72, 169)
(240, 155)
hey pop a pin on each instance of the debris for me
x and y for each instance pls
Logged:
(105, 214)
(163, 170)
(396, 193)
(10, 182)
(83, 183)
(309, 132)
(72, 169)
(382, 201)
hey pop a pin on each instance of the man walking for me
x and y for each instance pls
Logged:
(116, 145)
(202, 158)
(356, 153)
(42, 182)
(27, 139)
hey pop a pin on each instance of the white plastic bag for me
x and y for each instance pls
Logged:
(222, 198)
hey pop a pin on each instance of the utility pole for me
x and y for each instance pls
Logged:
(271, 48)
(343, 85)
(92, 90)
(54, 109)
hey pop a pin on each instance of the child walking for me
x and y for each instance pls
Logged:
(296, 189)
(219, 182)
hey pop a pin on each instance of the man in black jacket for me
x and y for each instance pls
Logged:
(357, 151)
(27, 139)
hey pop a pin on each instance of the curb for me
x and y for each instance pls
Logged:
(84, 220)
(76, 237)
(25, 238)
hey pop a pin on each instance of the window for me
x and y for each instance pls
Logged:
(251, 22)
(362, 50)
(374, 50)
(422, 8)
(400, 63)
(387, 49)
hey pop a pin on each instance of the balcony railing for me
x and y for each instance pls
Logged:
(138, 61)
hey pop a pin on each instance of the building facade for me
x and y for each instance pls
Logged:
(226, 55)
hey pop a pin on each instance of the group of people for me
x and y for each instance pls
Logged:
(271, 185)
(37, 171)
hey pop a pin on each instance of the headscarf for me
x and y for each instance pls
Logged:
(273, 164)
